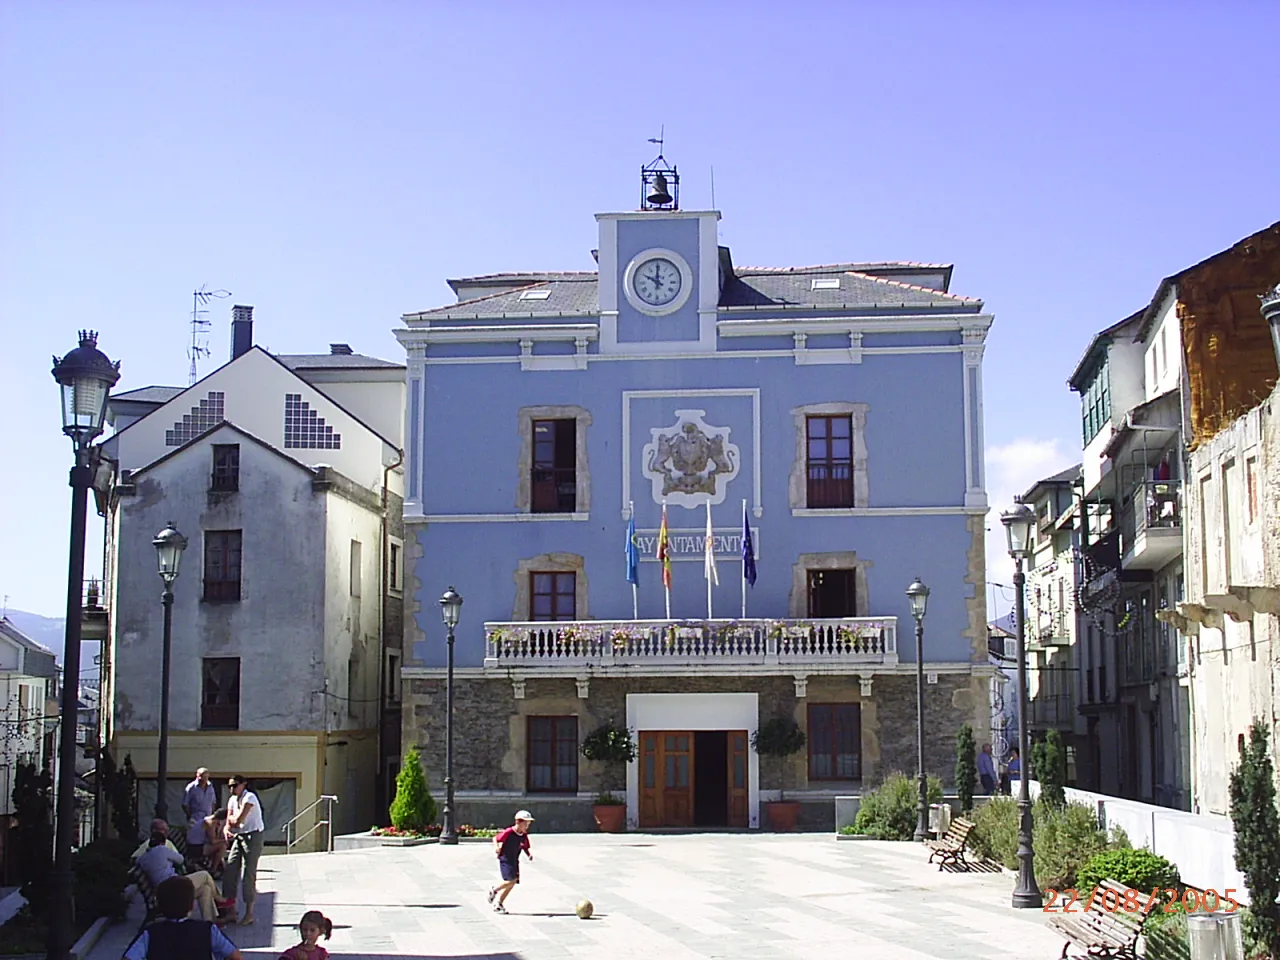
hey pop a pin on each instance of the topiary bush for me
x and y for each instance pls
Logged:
(1257, 846)
(1140, 869)
(1050, 768)
(966, 767)
(413, 808)
(890, 811)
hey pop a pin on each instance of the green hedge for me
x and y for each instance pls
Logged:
(890, 811)
(1064, 840)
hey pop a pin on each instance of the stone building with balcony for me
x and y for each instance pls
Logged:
(837, 408)
(1230, 617)
(1053, 670)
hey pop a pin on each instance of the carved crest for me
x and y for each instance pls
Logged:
(690, 462)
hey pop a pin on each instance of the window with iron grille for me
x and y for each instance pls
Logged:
(553, 755)
(220, 696)
(829, 442)
(222, 565)
(226, 467)
(553, 596)
(835, 741)
(555, 466)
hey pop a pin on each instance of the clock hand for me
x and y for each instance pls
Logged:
(656, 278)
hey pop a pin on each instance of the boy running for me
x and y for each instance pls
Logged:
(508, 844)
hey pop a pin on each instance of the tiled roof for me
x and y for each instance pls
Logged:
(333, 361)
(575, 293)
(856, 289)
(572, 296)
(152, 394)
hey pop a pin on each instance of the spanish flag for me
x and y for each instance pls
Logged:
(664, 550)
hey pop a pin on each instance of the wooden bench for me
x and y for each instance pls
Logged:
(949, 848)
(1102, 932)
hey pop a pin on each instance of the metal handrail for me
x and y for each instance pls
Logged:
(291, 841)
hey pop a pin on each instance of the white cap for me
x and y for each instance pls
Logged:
(524, 815)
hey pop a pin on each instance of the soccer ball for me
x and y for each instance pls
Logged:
(584, 909)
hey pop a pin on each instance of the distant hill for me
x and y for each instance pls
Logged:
(50, 632)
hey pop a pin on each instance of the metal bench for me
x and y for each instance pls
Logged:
(1099, 931)
(949, 848)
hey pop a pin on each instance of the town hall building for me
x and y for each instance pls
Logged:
(835, 409)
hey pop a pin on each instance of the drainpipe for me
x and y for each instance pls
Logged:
(382, 616)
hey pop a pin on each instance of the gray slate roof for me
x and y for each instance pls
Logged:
(576, 294)
(333, 361)
(40, 660)
(152, 394)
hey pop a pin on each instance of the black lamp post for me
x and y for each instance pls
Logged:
(85, 377)
(169, 544)
(1270, 308)
(451, 608)
(919, 596)
(1018, 522)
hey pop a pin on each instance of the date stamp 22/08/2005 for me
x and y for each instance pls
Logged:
(1133, 901)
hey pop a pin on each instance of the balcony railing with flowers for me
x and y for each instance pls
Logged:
(692, 642)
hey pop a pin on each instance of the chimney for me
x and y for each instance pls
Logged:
(241, 331)
(340, 349)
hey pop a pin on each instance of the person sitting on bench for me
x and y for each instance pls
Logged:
(159, 864)
(177, 938)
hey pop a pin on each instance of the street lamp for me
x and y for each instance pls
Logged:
(169, 544)
(918, 593)
(1018, 521)
(85, 377)
(451, 609)
(1271, 313)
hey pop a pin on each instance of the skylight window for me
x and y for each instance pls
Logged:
(826, 283)
(535, 295)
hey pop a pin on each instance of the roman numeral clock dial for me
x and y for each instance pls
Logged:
(657, 282)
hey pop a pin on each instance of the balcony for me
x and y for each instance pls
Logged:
(93, 612)
(1052, 703)
(660, 646)
(1151, 525)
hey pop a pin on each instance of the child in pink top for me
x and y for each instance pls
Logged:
(311, 926)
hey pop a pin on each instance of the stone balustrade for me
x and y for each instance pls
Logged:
(603, 643)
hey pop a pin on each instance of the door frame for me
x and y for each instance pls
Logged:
(692, 712)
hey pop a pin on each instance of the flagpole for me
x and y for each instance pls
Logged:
(635, 589)
(708, 559)
(666, 580)
(744, 561)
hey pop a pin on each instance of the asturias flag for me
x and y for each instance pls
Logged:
(664, 550)
(633, 552)
(748, 550)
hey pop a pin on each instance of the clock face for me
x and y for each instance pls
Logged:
(657, 282)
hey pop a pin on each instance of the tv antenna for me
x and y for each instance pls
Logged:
(200, 325)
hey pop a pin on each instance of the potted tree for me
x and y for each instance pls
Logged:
(780, 738)
(611, 745)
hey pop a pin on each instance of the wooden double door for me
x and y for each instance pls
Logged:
(693, 778)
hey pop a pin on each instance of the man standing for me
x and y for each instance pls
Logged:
(245, 836)
(199, 800)
(987, 770)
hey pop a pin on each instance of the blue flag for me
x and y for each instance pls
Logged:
(748, 551)
(633, 552)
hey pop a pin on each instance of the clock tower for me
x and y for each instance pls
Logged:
(659, 272)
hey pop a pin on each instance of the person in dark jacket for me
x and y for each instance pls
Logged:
(175, 937)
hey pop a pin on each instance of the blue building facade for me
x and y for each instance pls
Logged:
(836, 409)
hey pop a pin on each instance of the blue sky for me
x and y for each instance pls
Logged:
(332, 164)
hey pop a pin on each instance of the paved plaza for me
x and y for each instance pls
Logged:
(674, 897)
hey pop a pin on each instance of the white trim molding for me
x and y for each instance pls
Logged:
(496, 517)
(753, 393)
(939, 511)
(914, 323)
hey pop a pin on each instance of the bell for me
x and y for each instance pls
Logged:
(660, 196)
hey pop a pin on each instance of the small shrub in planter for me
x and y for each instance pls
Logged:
(891, 810)
(780, 738)
(413, 808)
(609, 743)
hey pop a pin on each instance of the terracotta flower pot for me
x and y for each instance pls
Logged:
(782, 815)
(611, 817)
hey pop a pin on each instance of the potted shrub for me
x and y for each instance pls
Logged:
(613, 746)
(780, 738)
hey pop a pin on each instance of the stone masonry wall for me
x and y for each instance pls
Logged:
(489, 733)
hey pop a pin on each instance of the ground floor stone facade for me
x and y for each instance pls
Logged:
(491, 724)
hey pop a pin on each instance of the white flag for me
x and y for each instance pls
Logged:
(709, 561)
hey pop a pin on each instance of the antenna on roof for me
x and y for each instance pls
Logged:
(200, 326)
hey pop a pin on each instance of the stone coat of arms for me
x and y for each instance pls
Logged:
(690, 462)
